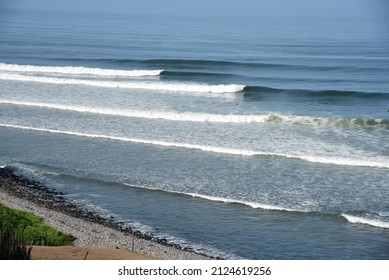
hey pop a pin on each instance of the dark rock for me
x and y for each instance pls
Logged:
(42, 195)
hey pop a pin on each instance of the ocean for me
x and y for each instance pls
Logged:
(239, 138)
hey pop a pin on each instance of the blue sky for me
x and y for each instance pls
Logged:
(250, 8)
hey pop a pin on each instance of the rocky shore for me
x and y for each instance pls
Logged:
(89, 229)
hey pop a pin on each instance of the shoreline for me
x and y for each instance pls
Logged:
(89, 229)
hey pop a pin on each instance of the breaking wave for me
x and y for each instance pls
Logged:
(366, 221)
(73, 70)
(203, 117)
(254, 205)
(336, 160)
(149, 85)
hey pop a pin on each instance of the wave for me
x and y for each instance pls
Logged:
(336, 160)
(315, 93)
(193, 87)
(163, 86)
(78, 70)
(203, 117)
(165, 115)
(195, 74)
(367, 221)
(330, 93)
(254, 205)
(220, 64)
(201, 62)
(177, 63)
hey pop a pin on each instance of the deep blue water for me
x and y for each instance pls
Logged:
(240, 138)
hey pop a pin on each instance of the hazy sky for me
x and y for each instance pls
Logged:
(250, 8)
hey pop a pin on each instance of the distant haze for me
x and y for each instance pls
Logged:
(250, 8)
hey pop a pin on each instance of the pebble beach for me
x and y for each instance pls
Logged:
(89, 231)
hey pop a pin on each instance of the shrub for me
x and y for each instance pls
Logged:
(13, 246)
(31, 228)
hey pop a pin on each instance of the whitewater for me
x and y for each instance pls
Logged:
(187, 87)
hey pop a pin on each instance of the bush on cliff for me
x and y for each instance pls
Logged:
(31, 228)
(13, 246)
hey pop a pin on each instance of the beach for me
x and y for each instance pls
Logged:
(90, 231)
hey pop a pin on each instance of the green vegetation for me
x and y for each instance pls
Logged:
(31, 228)
(13, 246)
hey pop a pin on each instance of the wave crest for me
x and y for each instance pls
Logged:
(366, 221)
(74, 70)
(221, 150)
(162, 86)
(204, 117)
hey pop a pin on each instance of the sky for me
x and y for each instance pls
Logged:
(228, 8)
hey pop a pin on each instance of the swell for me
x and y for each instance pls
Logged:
(334, 160)
(175, 64)
(201, 63)
(316, 93)
(180, 73)
(204, 117)
(209, 63)
(195, 74)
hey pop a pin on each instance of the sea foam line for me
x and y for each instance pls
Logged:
(362, 220)
(73, 70)
(172, 116)
(162, 86)
(213, 149)
(197, 116)
(140, 141)
(331, 160)
(254, 205)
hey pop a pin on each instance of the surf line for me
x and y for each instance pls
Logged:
(78, 70)
(147, 114)
(198, 116)
(366, 221)
(254, 205)
(161, 86)
(213, 149)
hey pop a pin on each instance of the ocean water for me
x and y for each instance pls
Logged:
(237, 138)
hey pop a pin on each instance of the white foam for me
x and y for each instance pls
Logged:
(213, 149)
(172, 116)
(78, 70)
(178, 116)
(383, 214)
(149, 85)
(223, 200)
(140, 141)
(367, 221)
(338, 160)
(247, 203)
